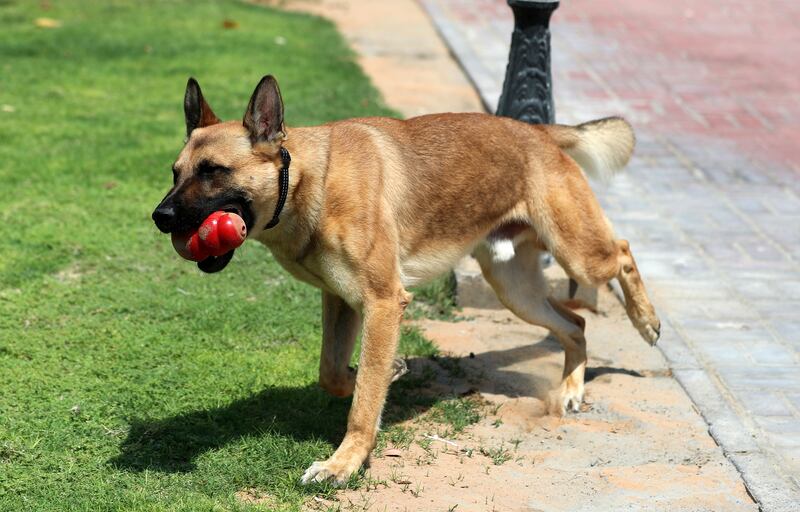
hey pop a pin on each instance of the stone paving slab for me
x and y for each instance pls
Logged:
(711, 201)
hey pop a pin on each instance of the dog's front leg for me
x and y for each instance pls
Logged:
(375, 370)
(340, 327)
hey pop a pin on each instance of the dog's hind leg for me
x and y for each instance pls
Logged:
(522, 288)
(571, 225)
(340, 327)
(637, 304)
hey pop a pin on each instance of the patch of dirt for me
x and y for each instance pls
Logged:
(252, 496)
(638, 444)
(70, 274)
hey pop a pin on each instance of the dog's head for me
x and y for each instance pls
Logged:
(231, 166)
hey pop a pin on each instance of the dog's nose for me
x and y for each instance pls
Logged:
(164, 217)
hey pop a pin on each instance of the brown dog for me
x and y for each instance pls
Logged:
(375, 205)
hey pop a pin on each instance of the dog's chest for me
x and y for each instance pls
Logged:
(323, 271)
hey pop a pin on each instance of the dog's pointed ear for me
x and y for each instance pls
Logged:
(264, 115)
(198, 112)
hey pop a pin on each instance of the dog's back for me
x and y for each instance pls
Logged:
(451, 179)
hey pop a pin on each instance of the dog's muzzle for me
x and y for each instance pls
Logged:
(164, 217)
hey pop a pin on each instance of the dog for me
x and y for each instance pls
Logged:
(364, 208)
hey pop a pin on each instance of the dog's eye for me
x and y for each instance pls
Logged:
(208, 168)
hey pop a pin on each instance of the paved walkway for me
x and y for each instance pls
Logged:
(711, 201)
(386, 54)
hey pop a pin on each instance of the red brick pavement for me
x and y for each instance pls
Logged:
(727, 68)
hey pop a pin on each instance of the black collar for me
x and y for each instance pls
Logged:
(283, 187)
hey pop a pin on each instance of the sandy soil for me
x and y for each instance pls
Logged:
(638, 444)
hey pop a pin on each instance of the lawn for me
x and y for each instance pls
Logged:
(128, 379)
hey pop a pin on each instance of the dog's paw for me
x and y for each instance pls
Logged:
(340, 385)
(651, 333)
(649, 326)
(329, 471)
(567, 398)
(643, 317)
(571, 399)
(320, 472)
(399, 368)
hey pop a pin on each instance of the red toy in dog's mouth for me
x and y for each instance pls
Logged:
(212, 244)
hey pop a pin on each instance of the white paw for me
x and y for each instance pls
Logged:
(565, 400)
(321, 471)
(572, 401)
(317, 472)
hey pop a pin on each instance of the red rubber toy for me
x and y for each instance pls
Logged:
(220, 233)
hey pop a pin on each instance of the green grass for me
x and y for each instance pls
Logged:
(457, 414)
(129, 379)
(436, 299)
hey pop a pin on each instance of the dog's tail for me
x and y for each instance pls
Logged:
(602, 147)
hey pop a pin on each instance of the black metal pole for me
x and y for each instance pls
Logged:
(528, 87)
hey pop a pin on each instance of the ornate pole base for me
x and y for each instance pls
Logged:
(528, 89)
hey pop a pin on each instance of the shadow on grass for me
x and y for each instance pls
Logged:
(301, 413)
(171, 444)
(307, 412)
